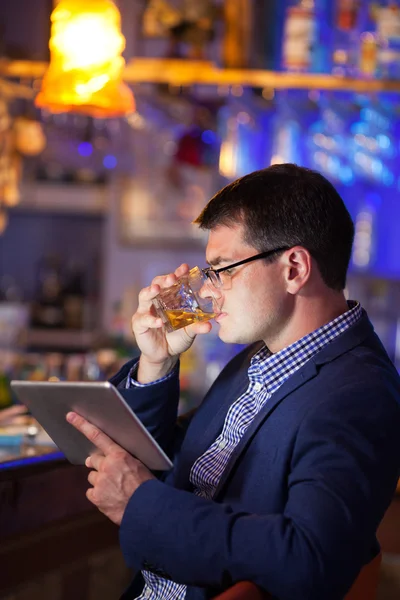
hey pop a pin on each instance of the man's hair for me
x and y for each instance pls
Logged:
(288, 205)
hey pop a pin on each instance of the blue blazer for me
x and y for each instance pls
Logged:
(299, 503)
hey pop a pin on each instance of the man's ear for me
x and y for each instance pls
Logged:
(298, 265)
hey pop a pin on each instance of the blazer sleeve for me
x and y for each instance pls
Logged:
(343, 473)
(156, 406)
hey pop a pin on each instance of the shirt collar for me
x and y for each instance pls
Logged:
(273, 369)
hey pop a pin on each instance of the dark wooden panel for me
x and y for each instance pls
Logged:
(36, 499)
(50, 548)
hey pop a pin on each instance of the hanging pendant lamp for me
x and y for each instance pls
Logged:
(85, 71)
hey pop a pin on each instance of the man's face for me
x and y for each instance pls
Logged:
(255, 304)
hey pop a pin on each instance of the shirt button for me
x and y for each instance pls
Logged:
(147, 593)
(222, 444)
(257, 386)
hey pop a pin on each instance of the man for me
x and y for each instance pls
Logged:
(285, 471)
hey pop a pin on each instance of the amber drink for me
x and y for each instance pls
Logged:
(181, 318)
(192, 299)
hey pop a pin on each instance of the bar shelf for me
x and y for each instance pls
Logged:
(182, 72)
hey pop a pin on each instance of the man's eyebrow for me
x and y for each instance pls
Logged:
(218, 260)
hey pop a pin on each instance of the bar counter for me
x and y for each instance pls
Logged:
(53, 543)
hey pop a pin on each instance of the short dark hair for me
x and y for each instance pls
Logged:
(288, 205)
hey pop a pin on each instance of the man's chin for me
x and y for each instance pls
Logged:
(229, 336)
(225, 335)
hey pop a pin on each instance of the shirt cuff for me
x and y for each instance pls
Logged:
(131, 380)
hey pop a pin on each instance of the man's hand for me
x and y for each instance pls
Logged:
(160, 350)
(116, 475)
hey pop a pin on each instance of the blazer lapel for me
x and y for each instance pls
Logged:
(209, 422)
(227, 393)
(297, 380)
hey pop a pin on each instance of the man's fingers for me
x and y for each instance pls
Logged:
(198, 328)
(146, 322)
(92, 477)
(146, 295)
(94, 461)
(164, 281)
(92, 433)
(160, 282)
(183, 269)
(90, 496)
(170, 278)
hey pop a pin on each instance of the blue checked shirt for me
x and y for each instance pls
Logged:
(267, 372)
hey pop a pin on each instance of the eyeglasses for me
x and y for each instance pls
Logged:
(214, 275)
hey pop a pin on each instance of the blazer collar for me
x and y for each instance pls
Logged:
(351, 338)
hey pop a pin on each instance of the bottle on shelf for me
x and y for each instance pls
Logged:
(266, 35)
(368, 44)
(54, 366)
(6, 364)
(245, 129)
(298, 35)
(388, 33)
(74, 297)
(375, 147)
(236, 42)
(48, 308)
(294, 117)
(329, 139)
(346, 37)
(307, 36)
(365, 247)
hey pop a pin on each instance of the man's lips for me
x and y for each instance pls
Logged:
(220, 316)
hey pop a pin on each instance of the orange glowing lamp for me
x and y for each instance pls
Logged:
(85, 71)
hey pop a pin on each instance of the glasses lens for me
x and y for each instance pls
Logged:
(213, 277)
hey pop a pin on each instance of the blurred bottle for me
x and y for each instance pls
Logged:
(228, 129)
(346, 37)
(54, 366)
(91, 368)
(74, 367)
(298, 35)
(375, 146)
(322, 48)
(30, 366)
(53, 171)
(191, 377)
(38, 368)
(368, 45)
(9, 290)
(329, 138)
(14, 315)
(307, 36)
(6, 365)
(48, 308)
(267, 21)
(294, 117)
(366, 238)
(388, 32)
(107, 359)
(245, 129)
(74, 297)
(237, 16)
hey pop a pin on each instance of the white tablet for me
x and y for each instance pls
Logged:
(98, 402)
